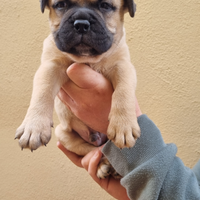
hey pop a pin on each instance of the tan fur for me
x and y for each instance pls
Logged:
(105, 169)
(115, 65)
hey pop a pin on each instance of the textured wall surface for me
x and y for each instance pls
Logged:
(164, 41)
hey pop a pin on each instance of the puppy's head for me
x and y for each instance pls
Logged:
(87, 28)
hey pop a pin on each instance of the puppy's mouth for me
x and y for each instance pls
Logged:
(87, 44)
(83, 50)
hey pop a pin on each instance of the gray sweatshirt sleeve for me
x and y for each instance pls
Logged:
(151, 170)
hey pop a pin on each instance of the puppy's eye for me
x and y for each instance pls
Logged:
(60, 5)
(106, 6)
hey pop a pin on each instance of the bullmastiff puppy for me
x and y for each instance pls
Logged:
(89, 32)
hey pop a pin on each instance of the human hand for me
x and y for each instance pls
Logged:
(88, 95)
(90, 163)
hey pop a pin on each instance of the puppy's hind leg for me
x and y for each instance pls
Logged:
(72, 141)
(105, 169)
(67, 132)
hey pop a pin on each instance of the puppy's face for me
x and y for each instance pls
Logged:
(87, 28)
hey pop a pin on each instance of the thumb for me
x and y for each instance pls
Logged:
(83, 76)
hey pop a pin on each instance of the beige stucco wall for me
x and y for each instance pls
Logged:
(164, 41)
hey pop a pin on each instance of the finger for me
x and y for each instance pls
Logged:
(94, 162)
(90, 163)
(65, 98)
(84, 82)
(72, 156)
(87, 158)
(83, 76)
(111, 185)
(72, 90)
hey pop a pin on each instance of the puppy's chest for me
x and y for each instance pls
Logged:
(103, 68)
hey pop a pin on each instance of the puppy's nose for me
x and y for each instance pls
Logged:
(82, 26)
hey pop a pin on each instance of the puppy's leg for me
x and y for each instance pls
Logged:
(105, 169)
(72, 141)
(123, 128)
(67, 132)
(35, 130)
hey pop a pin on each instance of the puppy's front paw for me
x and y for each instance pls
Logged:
(122, 131)
(34, 132)
(105, 169)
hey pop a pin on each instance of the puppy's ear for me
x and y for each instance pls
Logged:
(131, 6)
(43, 4)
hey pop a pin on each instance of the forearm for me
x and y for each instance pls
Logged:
(151, 169)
